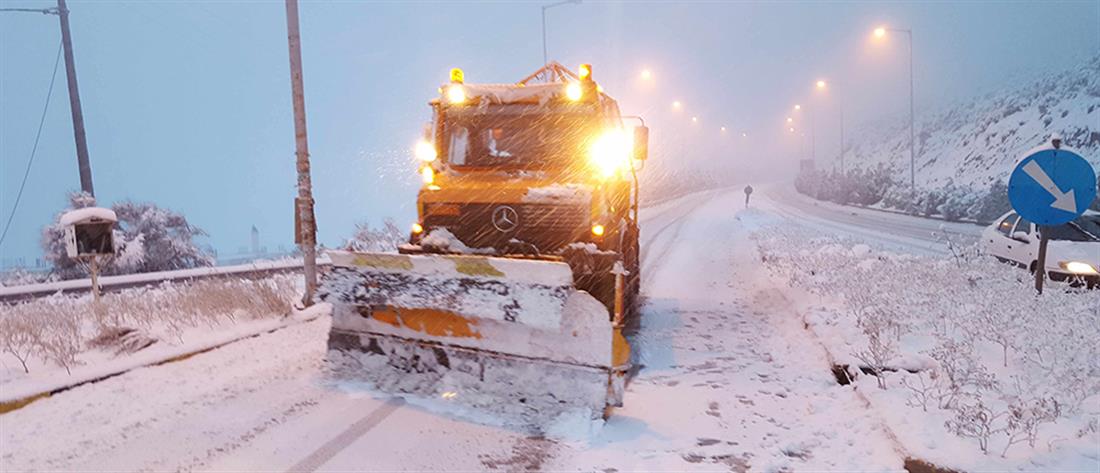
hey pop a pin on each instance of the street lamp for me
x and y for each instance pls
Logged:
(646, 74)
(677, 105)
(822, 86)
(880, 32)
(544, 8)
(813, 131)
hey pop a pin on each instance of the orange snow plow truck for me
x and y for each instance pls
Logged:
(523, 264)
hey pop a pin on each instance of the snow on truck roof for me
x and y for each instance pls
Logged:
(88, 213)
(515, 93)
(550, 82)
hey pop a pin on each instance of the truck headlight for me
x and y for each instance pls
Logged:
(573, 91)
(425, 151)
(610, 153)
(1077, 267)
(455, 94)
(427, 174)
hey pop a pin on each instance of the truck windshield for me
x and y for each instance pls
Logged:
(516, 140)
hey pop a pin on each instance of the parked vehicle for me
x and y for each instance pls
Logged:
(1073, 251)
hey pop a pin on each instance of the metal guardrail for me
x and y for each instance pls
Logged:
(17, 294)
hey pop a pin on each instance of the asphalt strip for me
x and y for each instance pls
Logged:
(333, 447)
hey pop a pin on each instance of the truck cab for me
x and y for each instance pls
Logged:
(543, 168)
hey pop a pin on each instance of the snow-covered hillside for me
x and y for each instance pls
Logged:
(973, 144)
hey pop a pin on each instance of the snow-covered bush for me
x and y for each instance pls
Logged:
(147, 238)
(956, 203)
(385, 239)
(991, 204)
(966, 338)
(854, 186)
(20, 277)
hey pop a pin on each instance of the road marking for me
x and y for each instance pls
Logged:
(1062, 200)
(325, 453)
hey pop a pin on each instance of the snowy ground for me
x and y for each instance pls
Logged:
(730, 380)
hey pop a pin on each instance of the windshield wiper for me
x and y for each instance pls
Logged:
(1082, 230)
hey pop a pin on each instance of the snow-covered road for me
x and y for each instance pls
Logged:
(898, 232)
(731, 380)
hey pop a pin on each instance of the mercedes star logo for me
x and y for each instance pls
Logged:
(505, 218)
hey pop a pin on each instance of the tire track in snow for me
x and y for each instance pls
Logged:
(685, 209)
(331, 448)
(532, 452)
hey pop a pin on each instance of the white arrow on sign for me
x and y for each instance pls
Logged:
(1062, 200)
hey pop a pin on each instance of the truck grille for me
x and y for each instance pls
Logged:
(547, 227)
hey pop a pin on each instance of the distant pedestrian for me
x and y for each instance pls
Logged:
(748, 192)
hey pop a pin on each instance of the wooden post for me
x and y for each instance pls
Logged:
(94, 270)
(304, 207)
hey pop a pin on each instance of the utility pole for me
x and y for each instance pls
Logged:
(306, 234)
(74, 102)
(841, 107)
(912, 126)
(813, 137)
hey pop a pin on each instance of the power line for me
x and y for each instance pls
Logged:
(34, 149)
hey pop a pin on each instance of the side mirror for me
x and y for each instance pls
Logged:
(1021, 237)
(641, 143)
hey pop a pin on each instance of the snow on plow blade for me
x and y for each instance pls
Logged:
(510, 335)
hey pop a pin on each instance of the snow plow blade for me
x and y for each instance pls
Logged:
(510, 335)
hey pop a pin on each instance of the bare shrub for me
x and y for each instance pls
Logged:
(974, 420)
(61, 340)
(962, 376)
(56, 329)
(974, 312)
(20, 336)
(880, 350)
(1025, 416)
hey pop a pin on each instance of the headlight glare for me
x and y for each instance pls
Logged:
(1078, 267)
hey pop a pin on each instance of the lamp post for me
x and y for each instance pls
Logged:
(813, 133)
(545, 59)
(822, 86)
(880, 32)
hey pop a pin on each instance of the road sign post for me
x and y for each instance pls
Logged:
(1041, 260)
(1051, 186)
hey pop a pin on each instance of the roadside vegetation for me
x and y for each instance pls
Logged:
(147, 238)
(65, 332)
(958, 346)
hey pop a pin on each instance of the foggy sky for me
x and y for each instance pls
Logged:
(187, 104)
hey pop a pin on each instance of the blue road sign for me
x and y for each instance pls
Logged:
(1052, 186)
